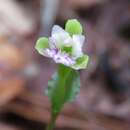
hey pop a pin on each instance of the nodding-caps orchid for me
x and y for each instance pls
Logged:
(65, 48)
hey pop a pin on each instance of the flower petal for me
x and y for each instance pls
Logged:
(73, 26)
(57, 29)
(81, 62)
(42, 43)
(78, 41)
(59, 37)
(63, 59)
(50, 52)
(79, 38)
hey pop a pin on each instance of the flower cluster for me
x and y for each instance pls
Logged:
(65, 46)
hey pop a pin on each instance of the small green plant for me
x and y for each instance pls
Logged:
(65, 48)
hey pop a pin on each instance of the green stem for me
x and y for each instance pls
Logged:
(52, 121)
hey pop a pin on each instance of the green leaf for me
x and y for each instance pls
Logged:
(81, 62)
(63, 87)
(73, 26)
(72, 86)
(41, 44)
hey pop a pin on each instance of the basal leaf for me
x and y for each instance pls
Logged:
(63, 87)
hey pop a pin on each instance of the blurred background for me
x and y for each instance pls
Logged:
(104, 100)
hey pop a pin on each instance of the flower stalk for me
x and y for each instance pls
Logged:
(51, 124)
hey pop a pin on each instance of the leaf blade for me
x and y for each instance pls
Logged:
(63, 87)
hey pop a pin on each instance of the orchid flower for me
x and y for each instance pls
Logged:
(65, 47)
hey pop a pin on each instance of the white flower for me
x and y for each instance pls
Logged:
(64, 48)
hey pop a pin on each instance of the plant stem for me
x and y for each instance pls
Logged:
(52, 121)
